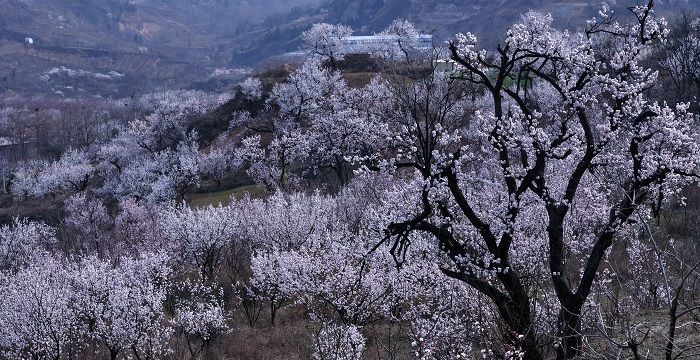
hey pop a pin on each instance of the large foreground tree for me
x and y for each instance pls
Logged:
(565, 152)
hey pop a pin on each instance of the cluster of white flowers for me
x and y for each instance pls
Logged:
(473, 213)
(339, 342)
(51, 308)
(22, 240)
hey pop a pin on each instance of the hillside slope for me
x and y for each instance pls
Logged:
(116, 47)
(123, 47)
(487, 18)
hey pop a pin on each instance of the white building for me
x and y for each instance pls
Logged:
(445, 66)
(366, 44)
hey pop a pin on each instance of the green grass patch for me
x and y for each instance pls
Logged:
(224, 197)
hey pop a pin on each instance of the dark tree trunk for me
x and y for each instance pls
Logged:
(569, 332)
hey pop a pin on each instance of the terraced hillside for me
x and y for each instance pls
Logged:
(486, 18)
(121, 47)
(116, 47)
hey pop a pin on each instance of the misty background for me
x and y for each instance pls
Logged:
(117, 48)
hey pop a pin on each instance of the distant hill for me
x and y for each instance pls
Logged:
(487, 18)
(120, 47)
(115, 47)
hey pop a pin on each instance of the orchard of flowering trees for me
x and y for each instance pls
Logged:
(536, 201)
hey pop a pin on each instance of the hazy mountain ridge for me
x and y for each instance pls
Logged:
(154, 43)
(487, 18)
(158, 44)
